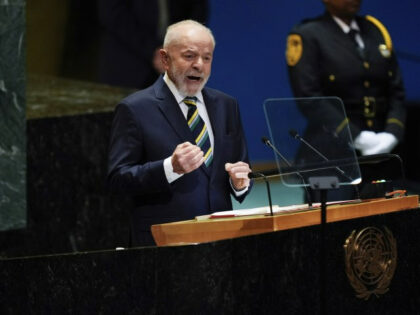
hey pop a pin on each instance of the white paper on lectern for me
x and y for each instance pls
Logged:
(266, 210)
(256, 211)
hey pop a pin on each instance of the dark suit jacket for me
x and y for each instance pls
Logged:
(147, 127)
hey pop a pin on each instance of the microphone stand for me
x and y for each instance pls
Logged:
(267, 142)
(268, 189)
(323, 184)
(294, 134)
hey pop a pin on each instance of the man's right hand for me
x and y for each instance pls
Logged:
(186, 158)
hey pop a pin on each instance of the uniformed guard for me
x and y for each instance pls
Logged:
(349, 56)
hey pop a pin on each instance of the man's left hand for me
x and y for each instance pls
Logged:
(238, 173)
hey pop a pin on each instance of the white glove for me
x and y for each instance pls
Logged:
(366, 140)
(387, 142)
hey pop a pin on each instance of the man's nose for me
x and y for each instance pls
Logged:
(198, 64)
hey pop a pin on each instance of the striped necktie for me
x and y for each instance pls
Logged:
(199, 129)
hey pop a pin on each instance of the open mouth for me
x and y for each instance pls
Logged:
(193, 78)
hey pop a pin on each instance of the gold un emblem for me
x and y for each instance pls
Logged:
(371, 259)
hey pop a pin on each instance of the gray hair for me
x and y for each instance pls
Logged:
(172, 33)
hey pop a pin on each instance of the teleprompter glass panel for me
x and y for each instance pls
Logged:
(311, 138)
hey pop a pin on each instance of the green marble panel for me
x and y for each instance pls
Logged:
(12, 2)
(53, 97)
(12, 116)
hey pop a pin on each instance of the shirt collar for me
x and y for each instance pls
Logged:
(178, 96)
(346, 28)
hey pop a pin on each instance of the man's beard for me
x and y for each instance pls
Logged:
(183, 87)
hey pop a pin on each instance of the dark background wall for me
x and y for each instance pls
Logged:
(249, 59)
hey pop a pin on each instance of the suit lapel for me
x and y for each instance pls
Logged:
(170, 109)
(216, 119)
(173, 114)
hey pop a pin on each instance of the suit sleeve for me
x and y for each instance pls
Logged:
(242, 152)
(128, 172)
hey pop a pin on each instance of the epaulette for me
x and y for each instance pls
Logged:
(383, 30)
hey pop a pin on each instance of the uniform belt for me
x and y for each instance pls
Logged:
(368, 106)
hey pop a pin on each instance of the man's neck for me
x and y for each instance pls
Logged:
(178, 95)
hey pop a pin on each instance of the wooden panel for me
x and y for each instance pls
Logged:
(193, 231)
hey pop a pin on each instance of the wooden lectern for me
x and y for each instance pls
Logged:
(196, 231)
(372, 266)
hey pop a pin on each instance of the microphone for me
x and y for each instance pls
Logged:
(267, 142)
(296, 135)
(252, 175)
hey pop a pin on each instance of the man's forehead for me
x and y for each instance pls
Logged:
(185, 44)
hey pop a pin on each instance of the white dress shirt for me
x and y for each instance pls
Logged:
(346, 29)
(202, 111)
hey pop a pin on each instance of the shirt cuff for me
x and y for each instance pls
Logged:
(171, 176)
(238, 193)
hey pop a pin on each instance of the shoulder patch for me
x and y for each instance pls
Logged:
(294, 49)
(383, 30)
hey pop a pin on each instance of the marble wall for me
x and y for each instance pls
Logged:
(12, 115)
(68, 206)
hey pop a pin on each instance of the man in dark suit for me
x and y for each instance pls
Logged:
(345, 55)
(178, 148)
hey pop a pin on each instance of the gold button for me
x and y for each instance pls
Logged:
(367, 103)
(369, 123)
(366, 65)
(367, 111)
(332, 77)
(390, 73)
(366, 84)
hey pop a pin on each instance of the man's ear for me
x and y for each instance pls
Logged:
(164, 57)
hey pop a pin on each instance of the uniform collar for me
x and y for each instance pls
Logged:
(346, 28)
